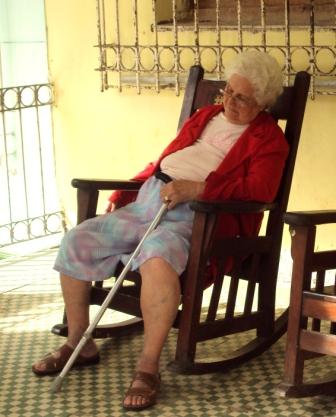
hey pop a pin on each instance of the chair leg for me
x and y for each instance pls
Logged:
(266, 298)
(188, 324)
(302, 244)
(293, 374)
(193, 283)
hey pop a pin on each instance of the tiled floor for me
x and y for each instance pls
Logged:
(30, 303)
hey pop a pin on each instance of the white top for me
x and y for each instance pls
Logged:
(195, 162)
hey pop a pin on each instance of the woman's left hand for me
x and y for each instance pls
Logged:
(180, 191)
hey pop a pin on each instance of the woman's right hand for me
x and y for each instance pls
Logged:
(181, 191)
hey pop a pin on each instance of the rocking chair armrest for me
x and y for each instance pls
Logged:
(310, 218)
(231, 206)
(100, 184)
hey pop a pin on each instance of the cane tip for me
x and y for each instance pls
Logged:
(57, 384)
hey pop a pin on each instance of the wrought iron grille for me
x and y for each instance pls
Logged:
(153, 45)
(29, 202)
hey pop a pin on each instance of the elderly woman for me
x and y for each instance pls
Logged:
(230, 151)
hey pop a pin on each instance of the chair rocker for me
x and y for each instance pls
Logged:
(255, 260)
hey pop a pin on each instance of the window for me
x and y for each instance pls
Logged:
(153, 46)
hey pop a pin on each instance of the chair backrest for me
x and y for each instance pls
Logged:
(289, 107)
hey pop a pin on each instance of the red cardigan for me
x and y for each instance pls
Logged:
(251, 171)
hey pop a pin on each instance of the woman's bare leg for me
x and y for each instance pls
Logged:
(76, 296)
(160, 296)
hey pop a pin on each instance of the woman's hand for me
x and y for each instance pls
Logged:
(180, 191)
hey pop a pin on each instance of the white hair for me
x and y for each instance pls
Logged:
(262, 71)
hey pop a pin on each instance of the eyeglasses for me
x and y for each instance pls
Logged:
(240, 100)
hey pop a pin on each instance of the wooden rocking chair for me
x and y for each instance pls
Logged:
(255, 260)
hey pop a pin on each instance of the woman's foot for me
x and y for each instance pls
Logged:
(55, 361)
(145, 385)
(142, 392)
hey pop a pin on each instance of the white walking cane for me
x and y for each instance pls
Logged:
(56, 386)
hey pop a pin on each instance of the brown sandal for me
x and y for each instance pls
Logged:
(54, 365)
(149, 392)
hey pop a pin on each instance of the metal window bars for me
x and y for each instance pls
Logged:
(152, 43)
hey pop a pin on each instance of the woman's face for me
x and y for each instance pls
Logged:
(239, 103)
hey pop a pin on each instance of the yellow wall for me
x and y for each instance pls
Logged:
(113, 135)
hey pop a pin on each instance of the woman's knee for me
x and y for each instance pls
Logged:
(156, 264)
(159, 271)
